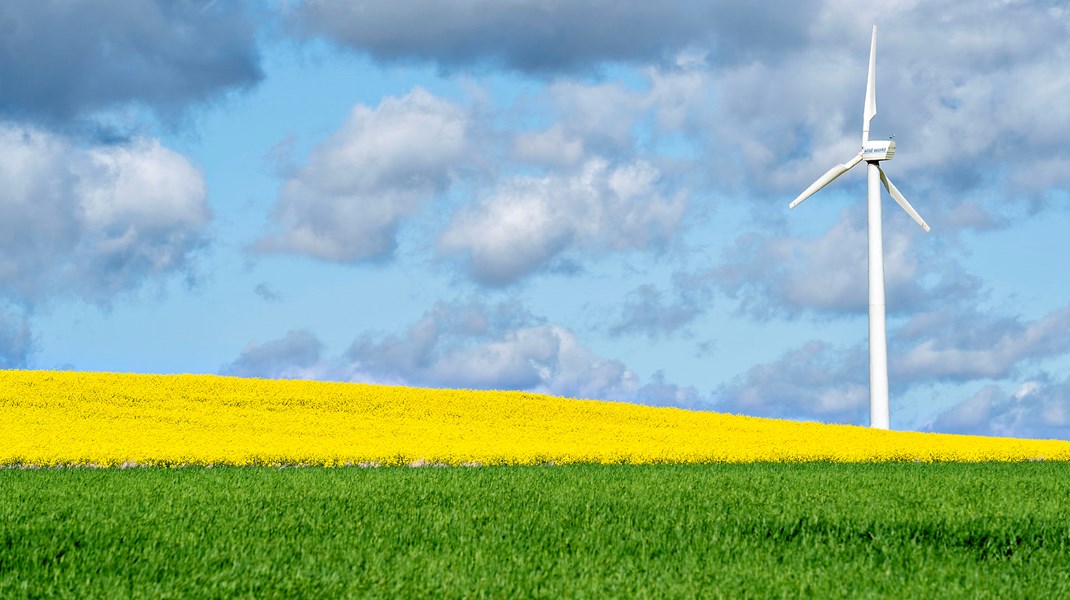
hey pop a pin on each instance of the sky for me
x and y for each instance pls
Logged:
(583, 198)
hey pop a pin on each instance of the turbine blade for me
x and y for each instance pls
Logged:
(898, 197)
(871, 88)
(826, 179)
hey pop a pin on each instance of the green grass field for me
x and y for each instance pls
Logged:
(844, 530)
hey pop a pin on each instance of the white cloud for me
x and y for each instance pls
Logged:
(93, 221)
(384, 164)
(530, 221)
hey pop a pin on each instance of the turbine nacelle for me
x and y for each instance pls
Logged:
(878, 150)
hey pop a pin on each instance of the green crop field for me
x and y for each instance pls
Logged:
(847, 530)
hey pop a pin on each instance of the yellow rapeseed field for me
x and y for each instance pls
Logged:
(104, 419)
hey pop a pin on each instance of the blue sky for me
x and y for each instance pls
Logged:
(584, 198)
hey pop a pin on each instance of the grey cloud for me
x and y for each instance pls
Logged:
(93, 221)
(819, 381)
(268, 293)
(552, 147)
(647, 310)
(16, 341)
(294, 356)
(384, 164)
(601, 115)
(812, 382)
(60, 60)
(945, 345)
(503, 347)
(558, 36)
(1037, 409)
(827, 275)
(972, 215)
(529, 223)
(659, 392)
(971, 416)
(601, 118)
(587, 120)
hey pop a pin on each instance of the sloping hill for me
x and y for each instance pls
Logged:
(104, 419)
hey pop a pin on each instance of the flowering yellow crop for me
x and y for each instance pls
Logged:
(67, 418)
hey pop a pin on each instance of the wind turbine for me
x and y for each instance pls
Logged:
(873, 153)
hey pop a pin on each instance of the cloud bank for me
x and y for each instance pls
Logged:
(552, 37)
(467, 345)
(65, 60)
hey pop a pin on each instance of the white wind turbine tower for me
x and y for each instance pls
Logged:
(873, 153)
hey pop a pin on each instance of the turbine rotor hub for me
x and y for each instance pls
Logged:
(878, 150)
